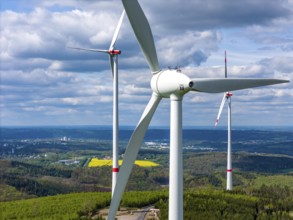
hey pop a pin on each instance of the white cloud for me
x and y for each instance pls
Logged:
(41, 79)
(190, 48)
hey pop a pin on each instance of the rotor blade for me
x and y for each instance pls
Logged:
(92, 50)
(143, 33)
(221, 109)
(222, 85)
(131, 153)
(112, 45)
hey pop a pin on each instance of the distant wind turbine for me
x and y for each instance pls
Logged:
(227, 97)
(113, 56)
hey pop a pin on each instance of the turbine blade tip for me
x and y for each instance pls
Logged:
(216, 123)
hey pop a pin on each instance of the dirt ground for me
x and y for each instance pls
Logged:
(127, 214)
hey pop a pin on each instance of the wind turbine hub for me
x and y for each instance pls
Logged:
(114, 52)
(228, 94)
(171, 82)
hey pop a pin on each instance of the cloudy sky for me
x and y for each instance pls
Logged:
(45, 83)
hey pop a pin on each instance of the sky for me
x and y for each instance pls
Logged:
(43, 82)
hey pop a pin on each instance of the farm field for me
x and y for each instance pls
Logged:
(95, 162)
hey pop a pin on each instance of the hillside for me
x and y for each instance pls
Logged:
(46, 174)
(263, 203)
(30, 178)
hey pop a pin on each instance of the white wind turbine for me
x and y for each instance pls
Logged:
(227, 96)
(170, 84)
(113, 56)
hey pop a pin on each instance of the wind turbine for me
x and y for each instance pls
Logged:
(227, 97)
(113, 56)
(171, 84)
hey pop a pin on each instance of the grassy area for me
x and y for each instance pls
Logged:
(95, 162)
(280, 180)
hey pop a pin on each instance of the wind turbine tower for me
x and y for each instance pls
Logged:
(171, 84)
(113, 57)
(227, 97)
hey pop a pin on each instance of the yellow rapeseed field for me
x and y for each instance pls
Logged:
(95, 162)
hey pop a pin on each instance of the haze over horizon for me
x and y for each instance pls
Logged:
(45, 83)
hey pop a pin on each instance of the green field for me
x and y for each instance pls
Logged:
(279, 180)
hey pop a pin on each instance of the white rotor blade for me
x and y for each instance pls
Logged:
(222, 85)
(221, 109)
(143, 33)
(92, 50)
(131, 153)
(112, 45)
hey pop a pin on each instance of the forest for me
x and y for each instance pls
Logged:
(260, 192)
(35, 181)
(200, 170)
(266, 202)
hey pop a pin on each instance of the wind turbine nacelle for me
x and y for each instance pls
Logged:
(170, 82)
(114, 52)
